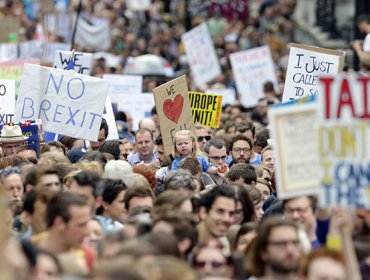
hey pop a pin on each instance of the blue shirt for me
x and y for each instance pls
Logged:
(135, 158)
(205, 164)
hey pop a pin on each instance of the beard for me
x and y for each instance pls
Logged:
(281, 267)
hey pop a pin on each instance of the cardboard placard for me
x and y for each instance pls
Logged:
(173, 109)
(344, 140)
(305, 65)
(201, 54)
(7, 101)
(82, 61)
(252, 68)
(65, 101)
(206, 108)
(295, 132)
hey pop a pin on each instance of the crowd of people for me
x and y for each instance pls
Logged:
(124, 209)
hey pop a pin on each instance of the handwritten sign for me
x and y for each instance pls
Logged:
(82, 61)
(7, 101)
(201, 54)
(173, 109)
(344, 140)
(295, 132)
(206, 108)
(252, 68)
(305, 65)
(65, 101)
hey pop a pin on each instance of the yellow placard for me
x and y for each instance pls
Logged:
(206, 108)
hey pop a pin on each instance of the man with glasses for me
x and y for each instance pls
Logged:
(217, 155)
(202, 135)
(248, 129)
(241, 149)
(301, 210)
(275, 252)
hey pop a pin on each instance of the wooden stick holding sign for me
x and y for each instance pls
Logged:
(174, 111)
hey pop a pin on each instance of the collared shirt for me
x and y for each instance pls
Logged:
(134, 159)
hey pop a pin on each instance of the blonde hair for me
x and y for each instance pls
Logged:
(186, 134)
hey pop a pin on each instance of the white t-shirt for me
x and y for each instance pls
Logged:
(366, 46)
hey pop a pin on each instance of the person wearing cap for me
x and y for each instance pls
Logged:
(11, 138)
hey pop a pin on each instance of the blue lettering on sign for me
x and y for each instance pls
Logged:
(29, 103)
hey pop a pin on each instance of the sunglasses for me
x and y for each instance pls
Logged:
(200, 138)
(215, 158)
(214, 264)
(9, 170)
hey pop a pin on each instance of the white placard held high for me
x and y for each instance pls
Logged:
(123, 84)
(305, 66)
(7, 101)
(201, 54)
(65, 101)
(252, 68)
(82, 61)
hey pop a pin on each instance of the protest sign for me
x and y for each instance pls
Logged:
(173, 109)
(252, 68)
(138, 105)
(228, 95)
(111, 121)
(31, 49)
(206, 108)
(305, 65)
(201, 54)
(344, 140)
(295, 133)
(94, 34)
(65, 101)
(12, 70)
(139, 5)
(7, 101)
(123, 84)
(82, 61)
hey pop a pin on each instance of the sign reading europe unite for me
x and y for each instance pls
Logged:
(65, 101)
(344, 140)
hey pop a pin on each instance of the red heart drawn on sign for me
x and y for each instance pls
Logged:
(172, 109)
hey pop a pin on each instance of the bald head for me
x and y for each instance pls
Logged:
(148, 124)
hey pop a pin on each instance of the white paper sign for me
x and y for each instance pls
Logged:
(7, 101)
(123, 84)
(139, 105)
(294, 129)
(139, 5)
(252, 68)
(305, 65)
(82, 61)
(228, 95)
(111, 120)
(201, 54)
(66, 102)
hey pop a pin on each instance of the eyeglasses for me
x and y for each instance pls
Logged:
(300, 211)
(284, 243)
(214, 264)
(9, 170)
(200, 138)
(222, 158)
(238, 150)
